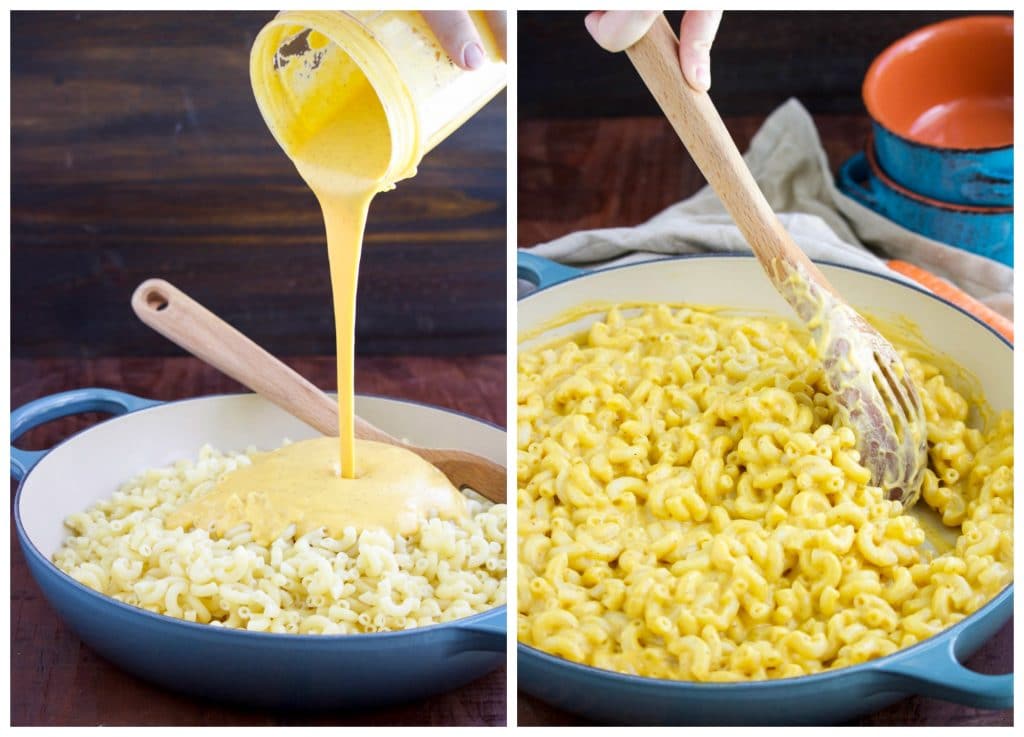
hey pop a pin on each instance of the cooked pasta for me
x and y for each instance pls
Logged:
(369, 581)
(690, 506)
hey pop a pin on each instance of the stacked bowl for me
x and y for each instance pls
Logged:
(939, 160)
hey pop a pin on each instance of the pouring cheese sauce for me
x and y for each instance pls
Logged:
(341, 145)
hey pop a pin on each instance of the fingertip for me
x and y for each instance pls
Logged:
(591, 22)
(696, 67)
(696, 36)
(700, 78)
(472, 56)
(457, 36)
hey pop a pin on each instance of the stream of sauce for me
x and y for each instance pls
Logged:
(341, 145)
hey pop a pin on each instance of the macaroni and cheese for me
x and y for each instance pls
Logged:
(369, 581)
(690, 506)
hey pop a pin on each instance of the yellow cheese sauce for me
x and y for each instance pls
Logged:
(299, 484)
(341, 146)
(340, 142)
(691, 504)
(897, 329)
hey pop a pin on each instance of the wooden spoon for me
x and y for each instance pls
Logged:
(182, 320)
(871, 384)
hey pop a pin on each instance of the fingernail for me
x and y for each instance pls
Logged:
(591, 23)
(702, 75)
(473, 55)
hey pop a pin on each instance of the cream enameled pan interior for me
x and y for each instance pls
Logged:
(94, 464)
(740, 283)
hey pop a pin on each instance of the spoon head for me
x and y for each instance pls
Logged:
(872, 387)
(877, 399)
(468, 470)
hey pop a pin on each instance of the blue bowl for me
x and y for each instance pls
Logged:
(986, 231)
(941, 102)
(982, 177)
(278, 671)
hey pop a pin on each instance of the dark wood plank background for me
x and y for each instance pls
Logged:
(56, 680)
(589, 158)
(137, 150)
(758, 60)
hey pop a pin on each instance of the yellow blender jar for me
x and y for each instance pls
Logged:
(356, 99)
(304, 64)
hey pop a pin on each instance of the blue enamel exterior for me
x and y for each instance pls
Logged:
(59, 405)
(269, 670)
(930, 668)
(982, 177)
(542, 272)
(988, 234)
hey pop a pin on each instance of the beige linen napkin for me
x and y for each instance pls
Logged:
(790, 165)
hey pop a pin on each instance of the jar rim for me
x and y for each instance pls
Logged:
(355, 40)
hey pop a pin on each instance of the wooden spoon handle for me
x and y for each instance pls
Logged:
(183, 321)
(698, 124)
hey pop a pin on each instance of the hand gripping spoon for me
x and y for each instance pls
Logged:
(185, 322)
(874, 392)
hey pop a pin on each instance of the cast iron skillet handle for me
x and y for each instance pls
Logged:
(487, 634)
(936, 672)
(542, 272)
(54, 406)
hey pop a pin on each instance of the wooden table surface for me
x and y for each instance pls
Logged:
(138, 150)
(56, 680)
(614, 172)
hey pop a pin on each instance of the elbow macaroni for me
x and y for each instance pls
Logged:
(311, 584)
(689, 506)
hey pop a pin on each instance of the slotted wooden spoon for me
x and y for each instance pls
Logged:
(185, 322)
(870, 382)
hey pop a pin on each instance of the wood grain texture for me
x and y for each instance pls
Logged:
(758, 60)
(56, 680)
(188, 324)
(612, 172)
(699, 126)
(137, 151)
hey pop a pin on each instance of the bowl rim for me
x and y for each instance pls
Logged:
(993, 21)
(880, 174)
(993, 150)
(202, 630)
(750, 256)
(875, 665)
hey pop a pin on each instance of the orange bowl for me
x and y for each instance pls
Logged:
(948, 85)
